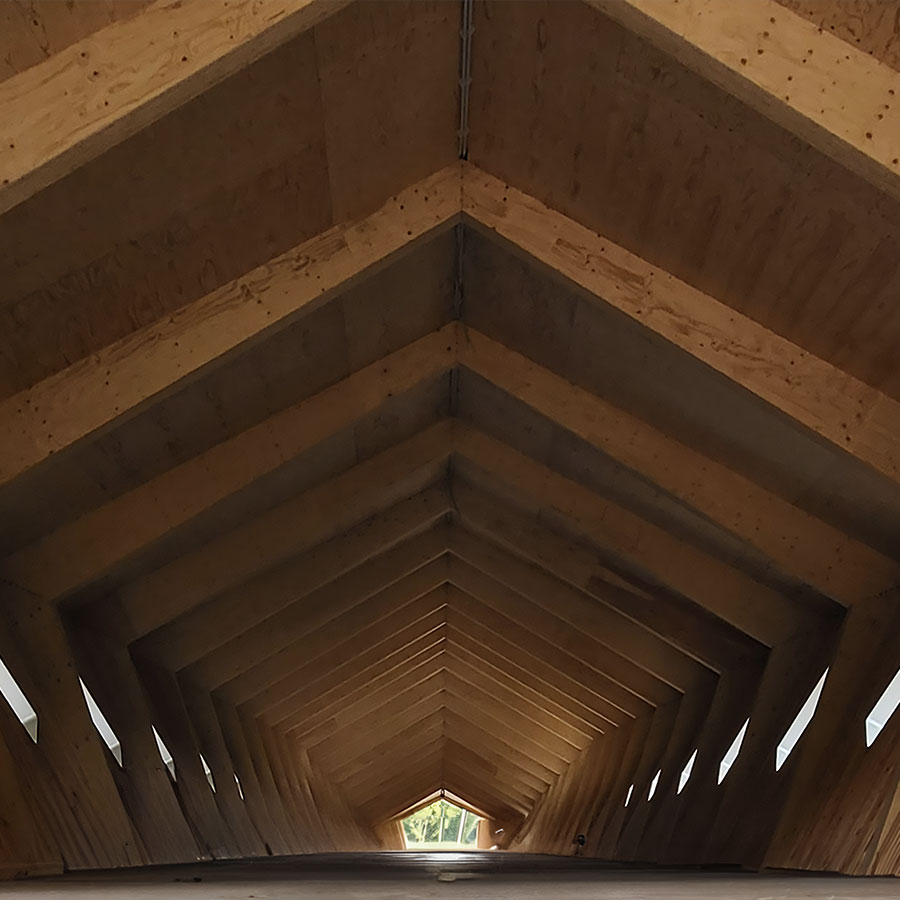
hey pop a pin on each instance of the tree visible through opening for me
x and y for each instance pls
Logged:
(440, 825)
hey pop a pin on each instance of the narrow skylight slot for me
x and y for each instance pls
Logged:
(237, 781)
(686, 773)
(883, 710)
(732, 754)
(164, 752)
(628, 795)
(100, 723)
(208, 772)
(18, 702)
(798, 726)
(653, 785)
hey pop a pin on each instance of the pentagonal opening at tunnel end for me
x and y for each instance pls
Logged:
(441, 825)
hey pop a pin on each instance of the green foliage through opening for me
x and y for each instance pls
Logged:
(441, 822)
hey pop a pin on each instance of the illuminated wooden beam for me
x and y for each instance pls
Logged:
(92, 95)
(92, 545)
(117, 382)
(228, 615)
(756, 609)
(323, 512)
(799, 544)
(851, 415)
(829, 93)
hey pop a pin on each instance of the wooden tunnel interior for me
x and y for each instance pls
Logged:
(493, 399)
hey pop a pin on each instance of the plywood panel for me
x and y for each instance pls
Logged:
(490, 410)
(82, 268)
(388, 74)
(647, 153)
(436, 586)
(526, 309)
(396, 306)
(33, 30)
(869, 25)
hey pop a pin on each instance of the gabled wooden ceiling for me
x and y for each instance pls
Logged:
(367, 472)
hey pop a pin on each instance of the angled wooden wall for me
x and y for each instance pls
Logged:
(361, 474)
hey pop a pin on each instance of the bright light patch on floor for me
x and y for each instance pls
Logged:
(883, 710)
(628, 795)
(208, 772)
(686, 773)
(653, 785)
(164, 752)
(732, 753)
(237, 781)
(798, 726)
(103, 727)
(18, 702)
(446, 856)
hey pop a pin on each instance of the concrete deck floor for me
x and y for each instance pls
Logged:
(402, 876)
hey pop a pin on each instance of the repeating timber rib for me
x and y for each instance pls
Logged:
(344, 474)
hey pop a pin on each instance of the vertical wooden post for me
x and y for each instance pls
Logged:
(340, 821)
(841, 793)
(301, 763)
(608, 824)
(289, 789)
(753, 792)
(321, 841)
(79, 796)
(688, 815)
(484, 835)
(174, 725)
(646, 838)
(236, 742)
(563, 810)
(98, 641)
(886, 858)
(581, 783)
(390, 836)
(234, 810)
(265, 773)
(26, 849)
(632, 817)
